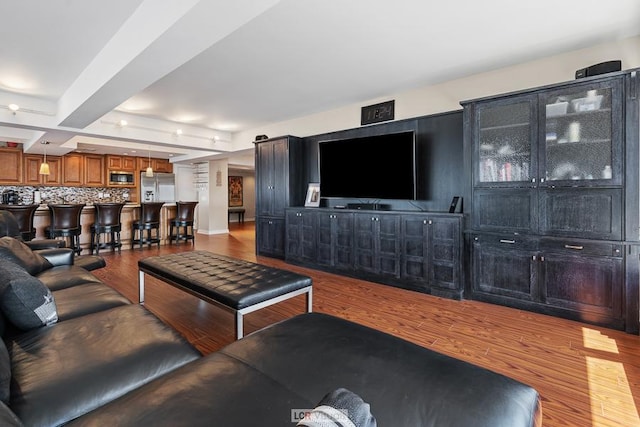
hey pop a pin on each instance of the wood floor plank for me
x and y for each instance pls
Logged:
(586, 375)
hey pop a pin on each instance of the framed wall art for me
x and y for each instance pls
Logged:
(235, 191)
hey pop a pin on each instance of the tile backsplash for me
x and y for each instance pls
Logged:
(71, 194)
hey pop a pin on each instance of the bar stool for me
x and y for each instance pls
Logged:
(149, 221)
(65, 222)
(24, 215)
(107, 221)
(183, 220)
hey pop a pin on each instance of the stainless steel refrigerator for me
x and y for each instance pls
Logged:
(159, 188)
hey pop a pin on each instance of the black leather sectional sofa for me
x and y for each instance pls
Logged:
(109, 362)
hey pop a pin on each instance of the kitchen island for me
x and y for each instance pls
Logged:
(130, 213)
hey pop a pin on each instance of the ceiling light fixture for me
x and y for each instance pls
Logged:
(123, 123)
(14, 108)
(44, 167)
(149, 172)
(178, 131)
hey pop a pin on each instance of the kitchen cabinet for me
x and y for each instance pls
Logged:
(83, 170)
(550, 167)
(278, 185)
(73, 169)
(10, 166)
(31, 170)
(94, 170)
(158, 165)
(121, 163)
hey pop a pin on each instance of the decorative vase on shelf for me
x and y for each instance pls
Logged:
(606, 173)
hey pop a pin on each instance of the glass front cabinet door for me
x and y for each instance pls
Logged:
(505, 131)
(581, 136)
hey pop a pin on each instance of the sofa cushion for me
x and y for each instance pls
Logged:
(5, 373)
(15, 251)
(25, 301)
(86, 299)
(78, 365)
(66, 276)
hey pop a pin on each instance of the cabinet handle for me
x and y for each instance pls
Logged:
(541, 259)
(430, 222)
(541, 180)
(511, 242)
(424, 221)
(577, 248)
(534, 257)
(533, 180)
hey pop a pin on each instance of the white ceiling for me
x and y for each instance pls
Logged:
(214, 67)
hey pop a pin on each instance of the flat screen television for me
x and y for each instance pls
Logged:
(371, 167)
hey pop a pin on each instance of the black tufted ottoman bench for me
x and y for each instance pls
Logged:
(236, 285)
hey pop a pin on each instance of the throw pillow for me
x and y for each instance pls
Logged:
(25, 301)
(16, 251)
(342, 408)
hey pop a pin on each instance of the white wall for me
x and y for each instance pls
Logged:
(446, 96)
(218, 194)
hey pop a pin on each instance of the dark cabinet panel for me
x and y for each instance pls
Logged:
(505, 267)
(589, 286)
(270, 237)
(418, 251)
(577, 212)
(505, 210)
(335, 240)
(377, 243)
(277, 187)
(301, 235)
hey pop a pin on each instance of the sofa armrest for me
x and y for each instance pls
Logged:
(58, 256)
(45, 244)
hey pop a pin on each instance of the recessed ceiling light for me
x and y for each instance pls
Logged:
(133, 151)
(14, 107)
(178, 131)
(123, 122)
(170, 155)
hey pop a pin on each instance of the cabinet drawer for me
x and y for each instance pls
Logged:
(506, 241)
(581, 247)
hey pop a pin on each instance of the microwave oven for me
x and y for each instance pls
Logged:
(120, 178)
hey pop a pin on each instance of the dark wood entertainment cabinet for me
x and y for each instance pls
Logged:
(414, 250)
(550, 179)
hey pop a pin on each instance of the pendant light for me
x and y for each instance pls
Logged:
(149, 172)
(44, 167)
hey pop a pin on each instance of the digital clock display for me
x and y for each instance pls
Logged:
(377, 113)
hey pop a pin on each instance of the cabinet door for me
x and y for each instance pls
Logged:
(270, 233)
(506, 210)
(163, 165)
(94, 172)
(365, 235)
(264, 178)
(594, 213)
(377, 244)
(31, 170)
(415, 252)
(73, 169)
(128, 163)
(280, 173)
(588, 286)
(504, 267)
(582, 139)
(335, 240)
(114, 163)
(504, 135)
(10, 166)
(444, 253)
(301, 235)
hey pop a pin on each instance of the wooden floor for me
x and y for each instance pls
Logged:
(586, 375)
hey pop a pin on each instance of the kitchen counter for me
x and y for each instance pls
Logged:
(130, 213)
